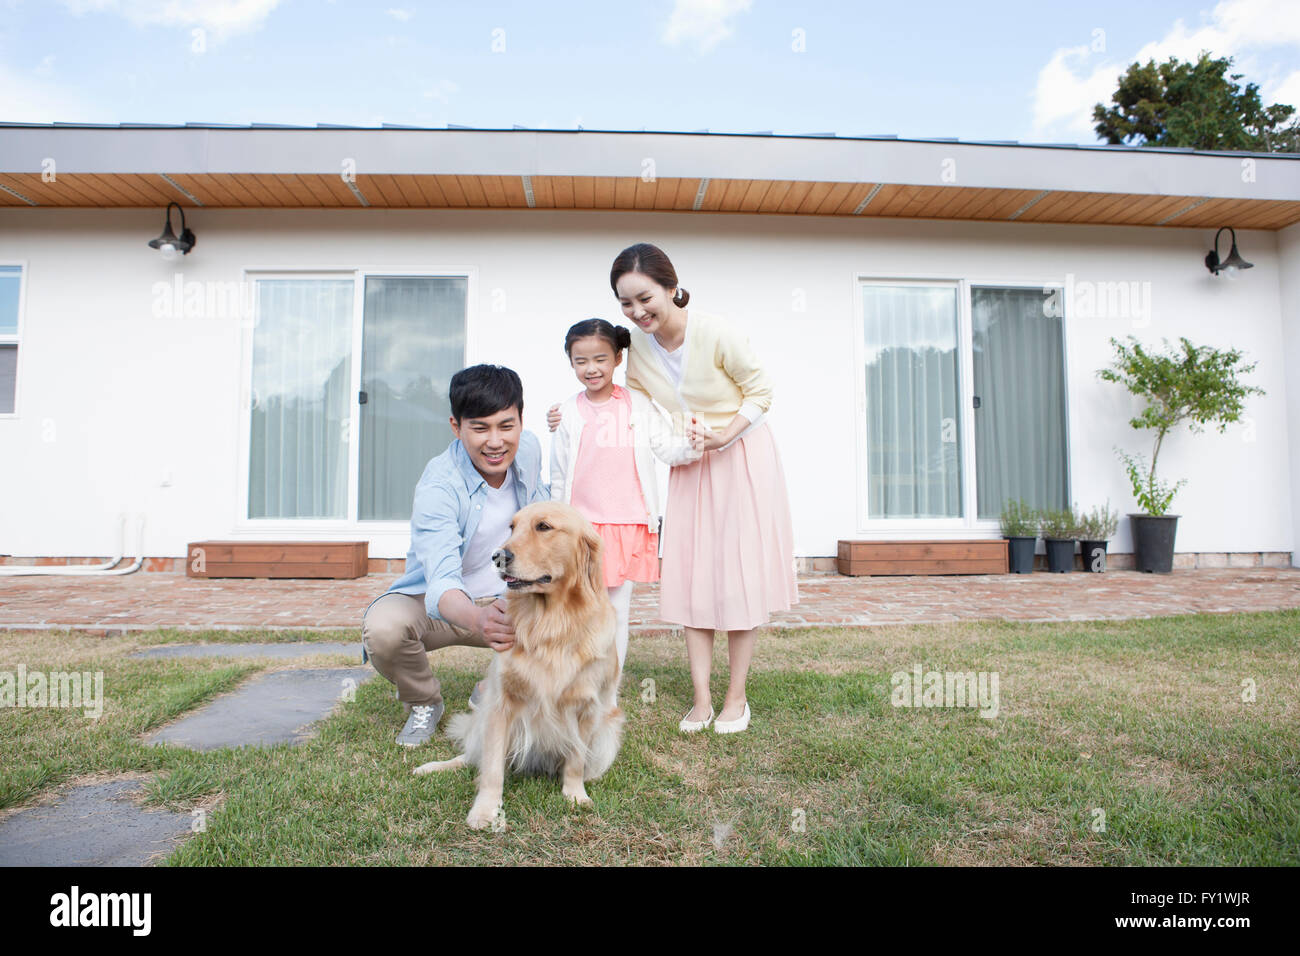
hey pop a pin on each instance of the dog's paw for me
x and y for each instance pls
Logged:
(578, 797)
(482, 817)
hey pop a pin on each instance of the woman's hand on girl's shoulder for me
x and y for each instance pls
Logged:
(553, 416)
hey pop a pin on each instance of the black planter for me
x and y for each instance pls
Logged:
(1060, 554)
(1020, 555)
(1153, 542)
(1094, 552)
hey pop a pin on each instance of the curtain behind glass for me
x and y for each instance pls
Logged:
(913, 430)
(1020, 437)
(10, 285)
(413, 343)
(302, 381)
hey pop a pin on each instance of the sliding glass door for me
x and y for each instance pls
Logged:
(413, 343)
(1020, 433)
(912, 391)
(963, 403)
(348, 391)
(301, 390)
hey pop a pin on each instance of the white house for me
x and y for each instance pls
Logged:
(933, 313)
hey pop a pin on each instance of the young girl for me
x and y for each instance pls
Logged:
(601, 464)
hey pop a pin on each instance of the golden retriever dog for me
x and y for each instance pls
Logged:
(550, 702)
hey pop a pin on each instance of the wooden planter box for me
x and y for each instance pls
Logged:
(923, 557)
(277, 559)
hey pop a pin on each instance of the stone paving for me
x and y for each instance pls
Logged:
(94, 825)
(279, 707)
(148, 601)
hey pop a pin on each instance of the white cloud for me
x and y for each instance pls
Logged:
(1287, 91)
(1065, 94)
(1077, 78)
(704, 22)
(221, 17)
(398, 13)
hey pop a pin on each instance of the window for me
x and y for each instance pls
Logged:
(11, 281)
(1020, 429)
(962, 404)
(348, 391)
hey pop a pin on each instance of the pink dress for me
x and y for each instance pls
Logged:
(607, 491)
(728, 535)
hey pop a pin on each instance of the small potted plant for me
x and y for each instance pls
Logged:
(1096, 529)
(1057, 528)
(1020, 528)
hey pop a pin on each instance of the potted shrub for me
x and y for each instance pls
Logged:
(1020, 528)
(1097, 526)
(1199, 386)
(1058, 532)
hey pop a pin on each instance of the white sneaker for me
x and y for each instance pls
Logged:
(691, 726)
(733, 726)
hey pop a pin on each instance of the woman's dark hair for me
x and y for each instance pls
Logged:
(483, 390)
(649, 261)
(617, 336)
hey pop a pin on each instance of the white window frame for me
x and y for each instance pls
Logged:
(16, 338)
(968, 525)
(309, 529)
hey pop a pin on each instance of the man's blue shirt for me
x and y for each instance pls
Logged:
(448, 504)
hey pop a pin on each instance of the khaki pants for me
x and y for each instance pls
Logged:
(398, 634)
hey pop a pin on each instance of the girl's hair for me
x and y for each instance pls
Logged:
(649, 261)
(617, 336)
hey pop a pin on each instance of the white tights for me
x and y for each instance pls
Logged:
(621, 598)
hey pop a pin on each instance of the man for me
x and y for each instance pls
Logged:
(451, 591)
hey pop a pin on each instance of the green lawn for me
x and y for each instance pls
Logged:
(1142, 721)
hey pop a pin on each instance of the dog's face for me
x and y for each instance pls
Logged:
(552, 549)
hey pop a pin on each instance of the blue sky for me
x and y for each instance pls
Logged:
(1027, 71)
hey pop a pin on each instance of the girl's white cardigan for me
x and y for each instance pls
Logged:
(651, 435)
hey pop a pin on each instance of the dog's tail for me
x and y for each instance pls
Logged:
(459, 726)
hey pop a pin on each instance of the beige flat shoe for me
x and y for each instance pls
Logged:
(691, 726)
(733, 726)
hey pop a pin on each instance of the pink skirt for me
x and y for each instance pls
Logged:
(728, 538)
(630, 553)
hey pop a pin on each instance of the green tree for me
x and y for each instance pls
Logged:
(1199, 387)
(1194, 105)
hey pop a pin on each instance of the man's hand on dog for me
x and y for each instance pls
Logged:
(494, 624)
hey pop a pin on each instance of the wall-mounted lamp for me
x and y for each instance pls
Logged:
(1230, 265)
(167, 243)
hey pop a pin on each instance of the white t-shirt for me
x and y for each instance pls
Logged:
(672, 359)
(477, 571)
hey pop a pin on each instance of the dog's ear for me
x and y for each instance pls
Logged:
(593, 567)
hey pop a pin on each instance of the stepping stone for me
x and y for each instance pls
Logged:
(306, 649)
(269, 709)
(94, 825)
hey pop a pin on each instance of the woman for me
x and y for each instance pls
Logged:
(728, 548)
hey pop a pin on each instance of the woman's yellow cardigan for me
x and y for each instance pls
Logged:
(720, 373)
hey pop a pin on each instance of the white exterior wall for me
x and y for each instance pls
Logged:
(112, 401)
(1288, 247)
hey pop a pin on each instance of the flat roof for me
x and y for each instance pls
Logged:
(282, 165)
